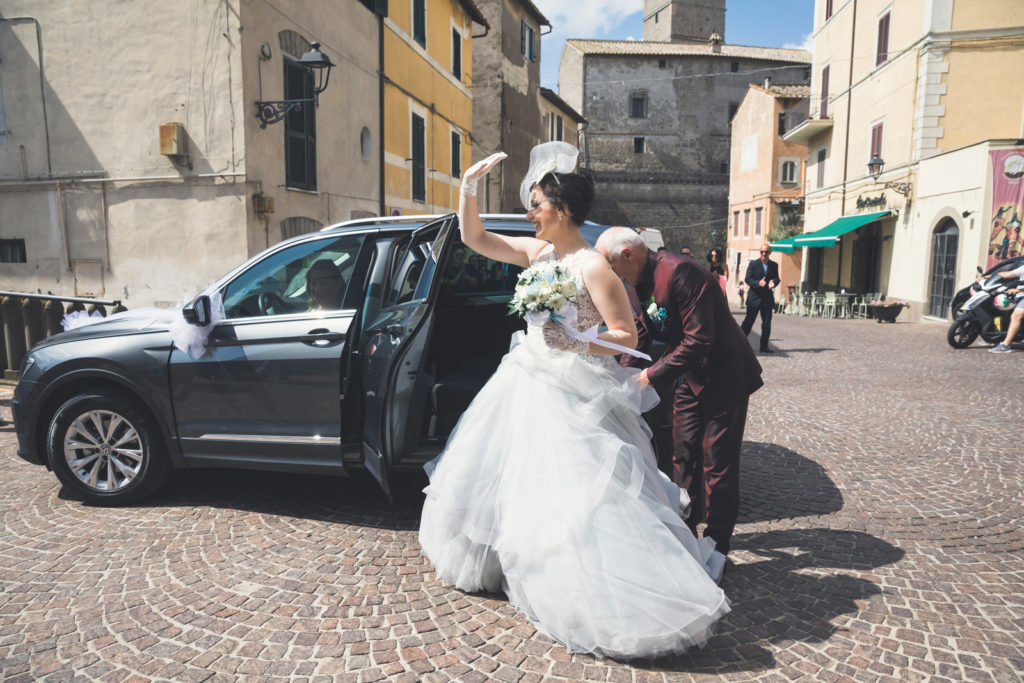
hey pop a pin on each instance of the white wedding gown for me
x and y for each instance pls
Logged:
(549, 490)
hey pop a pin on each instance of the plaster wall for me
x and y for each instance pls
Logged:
(347, 183)
(82, 142)
(969, 16)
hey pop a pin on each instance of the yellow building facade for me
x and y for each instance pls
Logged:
(428, 102)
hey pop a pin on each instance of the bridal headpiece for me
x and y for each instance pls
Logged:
(549, 157)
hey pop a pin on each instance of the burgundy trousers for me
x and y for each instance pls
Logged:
(706, 461)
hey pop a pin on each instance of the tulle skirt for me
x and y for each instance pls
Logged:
(549, 490)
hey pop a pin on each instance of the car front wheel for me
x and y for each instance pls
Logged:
(106, 449)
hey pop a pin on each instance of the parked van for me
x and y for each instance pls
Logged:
(651, 237)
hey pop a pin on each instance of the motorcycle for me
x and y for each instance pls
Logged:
(986, 313)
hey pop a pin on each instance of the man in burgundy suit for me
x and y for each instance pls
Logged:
(707, 373)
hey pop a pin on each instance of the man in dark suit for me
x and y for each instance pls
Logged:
(762, 279)
(706, 374)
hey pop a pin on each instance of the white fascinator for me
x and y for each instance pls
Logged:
(549, 157)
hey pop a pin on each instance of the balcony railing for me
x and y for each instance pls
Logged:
(801, 122)
(26, 319)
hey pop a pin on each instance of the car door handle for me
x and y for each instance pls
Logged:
(395, 330)
(321, 337)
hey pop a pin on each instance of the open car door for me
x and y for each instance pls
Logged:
(393, 348)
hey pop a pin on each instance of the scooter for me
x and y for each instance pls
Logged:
(986, 314)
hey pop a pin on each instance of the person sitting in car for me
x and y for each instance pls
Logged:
(324, 286)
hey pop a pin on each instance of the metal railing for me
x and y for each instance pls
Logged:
(26, 320)
(797, 114)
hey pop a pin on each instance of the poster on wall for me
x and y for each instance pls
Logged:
(1005, 240)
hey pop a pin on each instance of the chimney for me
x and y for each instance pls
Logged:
(767, 82)
(716, 43)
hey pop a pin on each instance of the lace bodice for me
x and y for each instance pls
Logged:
(587, 314)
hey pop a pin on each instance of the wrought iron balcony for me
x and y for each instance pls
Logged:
(801, 124)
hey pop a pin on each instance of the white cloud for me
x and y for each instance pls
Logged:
(806, 44)
(600, 16)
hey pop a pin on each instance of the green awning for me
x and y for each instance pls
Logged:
(786, 246)
(830, 234)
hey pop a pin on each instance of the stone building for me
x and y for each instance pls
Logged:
(132, 162)
(658, 110)
(506, 97)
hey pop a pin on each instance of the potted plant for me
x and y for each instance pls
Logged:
(886, 310)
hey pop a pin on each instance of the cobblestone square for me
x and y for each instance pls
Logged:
(880, 539)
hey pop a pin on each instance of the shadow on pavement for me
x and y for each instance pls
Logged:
(778, 483)
(791, 592)
(356, 500)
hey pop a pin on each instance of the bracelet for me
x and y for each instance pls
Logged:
(468, 188)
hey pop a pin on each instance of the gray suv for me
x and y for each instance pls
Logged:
(356, 347)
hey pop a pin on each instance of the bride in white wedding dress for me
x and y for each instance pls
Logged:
(548, 488)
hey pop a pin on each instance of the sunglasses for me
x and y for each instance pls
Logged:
(766, 252)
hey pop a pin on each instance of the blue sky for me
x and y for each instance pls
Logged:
(766, 23)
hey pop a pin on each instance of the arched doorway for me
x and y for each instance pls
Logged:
(944, 243)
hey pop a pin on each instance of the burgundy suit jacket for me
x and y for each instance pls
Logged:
(706, 346)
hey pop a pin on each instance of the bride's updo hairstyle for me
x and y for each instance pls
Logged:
(569, 192)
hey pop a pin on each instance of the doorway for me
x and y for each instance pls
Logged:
(944, 244)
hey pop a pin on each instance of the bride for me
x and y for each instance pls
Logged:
(548, 488)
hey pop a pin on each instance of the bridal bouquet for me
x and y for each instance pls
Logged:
(545, 290)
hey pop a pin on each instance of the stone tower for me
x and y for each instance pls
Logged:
(683, 21)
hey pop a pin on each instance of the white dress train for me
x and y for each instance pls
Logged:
(549, 490)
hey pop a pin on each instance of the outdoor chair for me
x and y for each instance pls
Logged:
(828, 305)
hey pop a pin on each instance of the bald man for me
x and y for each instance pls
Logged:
(762, 279)
(705, 376)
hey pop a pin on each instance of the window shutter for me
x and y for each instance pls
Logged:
(883, 40)
(824, 93)
(419, 179)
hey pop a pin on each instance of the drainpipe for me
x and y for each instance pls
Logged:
(846, 146)
(42, 84)
(380, 98)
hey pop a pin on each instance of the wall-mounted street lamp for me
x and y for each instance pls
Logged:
(875, 169)
(319, 65)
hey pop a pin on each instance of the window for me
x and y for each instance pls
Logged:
(821, 168)
(757, 221)
(735, 223)
(824, 93)
(662, 64)
(456, 155)
(528, 42)
(723, 167)
(419, 159)
(746, 222)
(828, 9)
(299, 128)
(558, 128)
(734, 67)
(638, 106)
(12, 251)
(876, 141)
(419, 21)
(639, 145)
(309, 276)
(787, 173)
(457, 54)
(882, 54)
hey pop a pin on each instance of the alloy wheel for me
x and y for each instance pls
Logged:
(103, 450)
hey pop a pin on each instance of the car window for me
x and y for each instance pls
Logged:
(469, 274)
(410, 277)
(305, 277)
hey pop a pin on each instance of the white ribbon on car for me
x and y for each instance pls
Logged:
(566, 315)
(185, 336)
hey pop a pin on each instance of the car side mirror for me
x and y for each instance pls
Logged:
(198, 312)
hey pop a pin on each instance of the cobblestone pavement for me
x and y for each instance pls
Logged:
(880, 539)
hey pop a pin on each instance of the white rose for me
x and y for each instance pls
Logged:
(652, 310)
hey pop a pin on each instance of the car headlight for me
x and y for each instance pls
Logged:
(27, 362)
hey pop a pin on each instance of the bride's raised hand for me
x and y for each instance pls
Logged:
(477, 171)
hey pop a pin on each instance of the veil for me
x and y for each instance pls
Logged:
(549, 157)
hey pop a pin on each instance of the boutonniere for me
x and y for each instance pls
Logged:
(655, 312)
